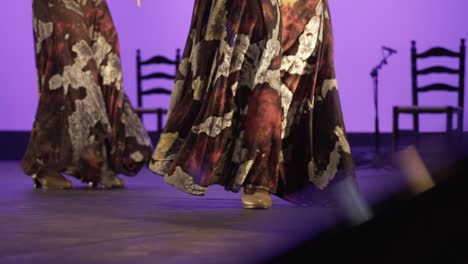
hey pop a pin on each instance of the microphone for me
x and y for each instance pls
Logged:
(389, 49)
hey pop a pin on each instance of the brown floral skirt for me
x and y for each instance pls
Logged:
(255, 103)
(84, 123)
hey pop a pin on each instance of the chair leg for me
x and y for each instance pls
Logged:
(417, 136)
(416, 122)
(449, 120)
(449, 124)
(159, 129)
(460, 126)
(395, 135)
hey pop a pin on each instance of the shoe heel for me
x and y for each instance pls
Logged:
(36, 183)
(50, 181)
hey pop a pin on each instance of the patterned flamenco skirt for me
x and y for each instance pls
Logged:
(84, 125)
(255, 104)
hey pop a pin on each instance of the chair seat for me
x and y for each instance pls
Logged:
(150, 110)
(427, 109)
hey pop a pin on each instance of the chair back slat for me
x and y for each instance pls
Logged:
(158, 75)
(157, 91)
(438, 87)
(159, 60)
(438, 52)
(437, 69)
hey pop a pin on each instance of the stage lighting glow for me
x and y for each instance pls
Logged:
(414, 170)
(350, 198)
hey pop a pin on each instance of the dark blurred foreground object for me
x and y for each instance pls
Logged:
(428, 228)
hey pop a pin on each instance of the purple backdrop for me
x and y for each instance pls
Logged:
(360, 28)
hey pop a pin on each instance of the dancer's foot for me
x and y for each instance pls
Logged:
(109, 180)
(184, 182)
(112, 181)
(258, 200)
(50, 179)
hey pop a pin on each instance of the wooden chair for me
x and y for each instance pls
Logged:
(416, 108)
(141, 92)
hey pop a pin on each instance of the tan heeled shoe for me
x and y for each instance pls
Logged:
(258, 200)
(109, 180)
(113, 183)
(49, 179)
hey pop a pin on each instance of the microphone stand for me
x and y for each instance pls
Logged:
(378, 161)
